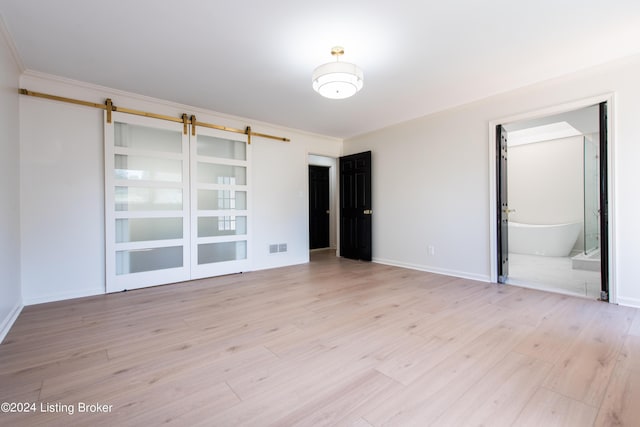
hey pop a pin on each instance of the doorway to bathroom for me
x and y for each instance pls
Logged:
(552, 202)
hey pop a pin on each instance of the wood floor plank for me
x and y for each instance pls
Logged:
(584, 369)
(339, 407)
(332, 342)
(500, 395)
(530, 306)
(559, 329)
(630, 354)
(184, 402)
(549, 409)
(443, 339)
(361, 422)
(635, 326)
(620, 406)
(428, 397)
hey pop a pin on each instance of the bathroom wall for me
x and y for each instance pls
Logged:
(545, 182)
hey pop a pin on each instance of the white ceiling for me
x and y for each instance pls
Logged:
(254, 58)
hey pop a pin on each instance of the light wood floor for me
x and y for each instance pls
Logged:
(334, 342)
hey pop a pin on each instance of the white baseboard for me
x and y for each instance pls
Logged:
(62, 297)
(288, 263)
(430, 269)
(8, 322)
(629, 302)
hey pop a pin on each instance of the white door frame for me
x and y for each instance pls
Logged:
(334, 205)
(611, 137)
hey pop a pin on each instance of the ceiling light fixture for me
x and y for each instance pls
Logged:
(337, 80)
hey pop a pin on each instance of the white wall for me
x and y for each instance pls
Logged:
(546, 183)
(10, 290)
(62, 190)
(63, 186)
(431, 177)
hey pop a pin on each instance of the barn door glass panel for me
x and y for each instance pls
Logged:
(147, 202)
(220, 189)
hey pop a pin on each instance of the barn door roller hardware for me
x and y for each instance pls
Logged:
(184, 119)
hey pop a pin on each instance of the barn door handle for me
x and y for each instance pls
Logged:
(368, 211)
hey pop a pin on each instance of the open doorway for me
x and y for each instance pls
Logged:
(552, 210)
(322, 203)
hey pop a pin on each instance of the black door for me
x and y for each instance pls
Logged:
(318, 207)
(604, 206)
(503, 207)
(355, 206)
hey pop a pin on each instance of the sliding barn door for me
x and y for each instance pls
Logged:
(220, 202)
(146, 202)
(176, 203)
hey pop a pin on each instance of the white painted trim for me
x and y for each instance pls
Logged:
(12, 47)
(430, 269)
(61, 297)
(280, 265)
(334, 202)
(8, 321)
(557, 109)
(629, 302)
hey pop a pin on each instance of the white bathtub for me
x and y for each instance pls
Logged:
(547, 240)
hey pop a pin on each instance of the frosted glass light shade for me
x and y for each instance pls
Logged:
(337, 80)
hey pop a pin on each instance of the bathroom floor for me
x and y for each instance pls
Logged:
(553, 274)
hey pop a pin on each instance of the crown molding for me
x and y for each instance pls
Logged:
(256, 125)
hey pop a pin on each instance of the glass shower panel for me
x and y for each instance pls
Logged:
(591, 193)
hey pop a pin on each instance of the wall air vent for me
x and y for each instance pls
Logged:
(277, 247)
